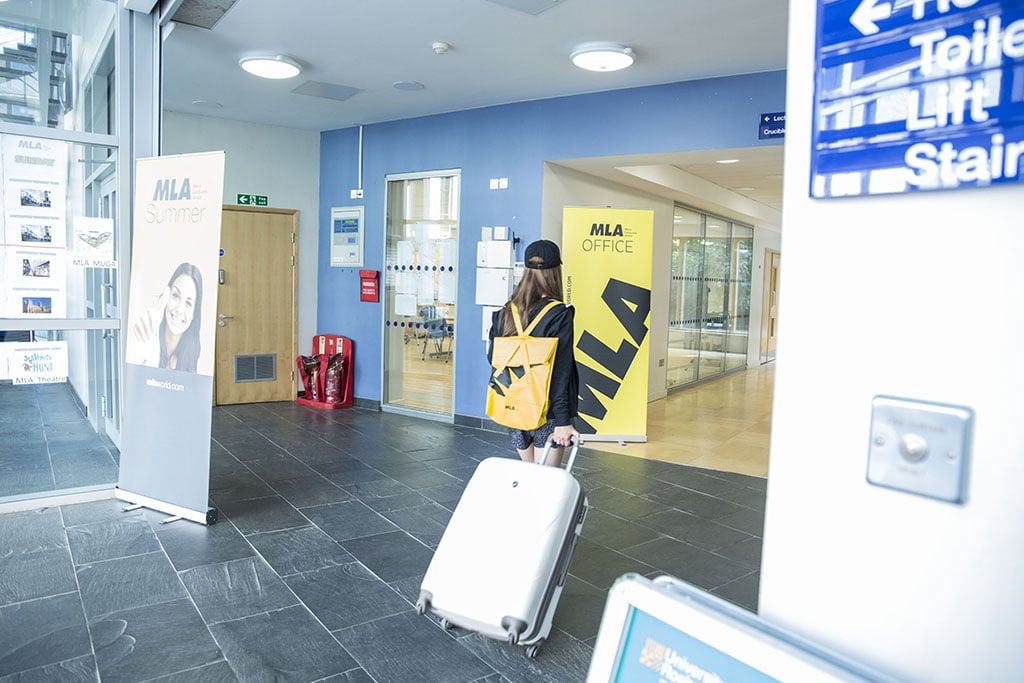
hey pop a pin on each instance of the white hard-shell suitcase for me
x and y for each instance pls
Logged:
(502, 561)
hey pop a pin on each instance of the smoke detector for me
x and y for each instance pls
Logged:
(440, 47)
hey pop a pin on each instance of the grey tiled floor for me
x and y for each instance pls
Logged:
(328, 521)
(47, 444)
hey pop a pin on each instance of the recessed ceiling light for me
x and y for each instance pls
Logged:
(271, 66)
(726, 161)
(407, 85)
(602, 56)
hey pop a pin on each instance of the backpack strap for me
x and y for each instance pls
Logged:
(536, 319)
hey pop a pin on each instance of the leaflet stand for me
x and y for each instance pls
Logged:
(667, 629)
(332, 344)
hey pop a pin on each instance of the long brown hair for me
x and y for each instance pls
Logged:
(535, 286)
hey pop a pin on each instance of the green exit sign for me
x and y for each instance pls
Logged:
(252, 200)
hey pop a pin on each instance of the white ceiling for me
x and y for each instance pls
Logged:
(501, 51)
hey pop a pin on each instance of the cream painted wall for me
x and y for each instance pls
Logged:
(917, 296)
(281, 163)
(567, 187)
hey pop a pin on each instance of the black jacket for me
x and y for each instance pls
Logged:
(563, 397)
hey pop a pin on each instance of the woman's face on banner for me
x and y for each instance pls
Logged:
(180, 304)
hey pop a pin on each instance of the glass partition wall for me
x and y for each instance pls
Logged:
(59, 244)
(709, 297)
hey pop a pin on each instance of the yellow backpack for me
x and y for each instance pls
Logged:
(517, 395)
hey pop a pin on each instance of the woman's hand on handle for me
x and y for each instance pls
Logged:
(562, 436)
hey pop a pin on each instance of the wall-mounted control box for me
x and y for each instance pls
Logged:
(920, 447)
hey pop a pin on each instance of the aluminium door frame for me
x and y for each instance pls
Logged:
(384, 407)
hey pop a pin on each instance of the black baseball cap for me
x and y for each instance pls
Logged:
(546, 251)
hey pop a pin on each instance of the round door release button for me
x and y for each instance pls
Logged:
(913, 447)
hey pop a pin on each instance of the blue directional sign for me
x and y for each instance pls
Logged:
(915, 95)
(772, 125)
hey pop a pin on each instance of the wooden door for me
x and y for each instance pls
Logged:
(256, 306)
(770, 304)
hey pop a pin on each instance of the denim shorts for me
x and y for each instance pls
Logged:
(538, 437)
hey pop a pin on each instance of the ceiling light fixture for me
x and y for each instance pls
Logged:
(602, 56)
(271, 66)
(727, 161)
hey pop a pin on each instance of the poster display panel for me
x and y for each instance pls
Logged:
(34, 230)
(169, 347)
(607, 269)
(42, 362)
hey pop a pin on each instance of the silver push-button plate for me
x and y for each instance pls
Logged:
(919, 447)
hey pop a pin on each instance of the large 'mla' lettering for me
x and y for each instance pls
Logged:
(167, 189)
(631, 306)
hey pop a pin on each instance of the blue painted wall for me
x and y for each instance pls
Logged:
(511, 141)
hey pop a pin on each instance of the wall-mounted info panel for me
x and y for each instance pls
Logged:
(347, 236)
(915, 95)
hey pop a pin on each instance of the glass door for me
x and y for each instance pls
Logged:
(685, 297)
(741, 261)
(60, 246)
(709, 297)
(420, 277)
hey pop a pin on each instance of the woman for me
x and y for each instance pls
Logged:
(167, 335)
(542, 282)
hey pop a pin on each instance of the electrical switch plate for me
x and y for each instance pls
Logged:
(920, 447)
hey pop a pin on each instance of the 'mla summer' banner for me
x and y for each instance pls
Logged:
(607, 255)
(172, 310)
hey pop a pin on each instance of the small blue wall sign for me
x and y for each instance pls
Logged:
(772, 125)
(915, 95)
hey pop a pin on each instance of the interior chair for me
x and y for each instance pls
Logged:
(436, 332)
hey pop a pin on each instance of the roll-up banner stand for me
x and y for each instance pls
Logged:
(607, 255)
(169, 354)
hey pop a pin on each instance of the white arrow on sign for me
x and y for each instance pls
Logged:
(867, 13)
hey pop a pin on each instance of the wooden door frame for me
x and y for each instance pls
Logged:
(768, 289)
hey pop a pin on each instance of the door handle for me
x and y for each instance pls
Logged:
(221, 318)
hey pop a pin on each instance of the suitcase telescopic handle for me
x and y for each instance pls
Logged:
(575, 443)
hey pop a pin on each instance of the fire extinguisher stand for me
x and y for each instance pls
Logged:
(332, 344)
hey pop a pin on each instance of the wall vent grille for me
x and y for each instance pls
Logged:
(257, 367)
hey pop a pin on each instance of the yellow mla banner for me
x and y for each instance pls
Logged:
(607, 255)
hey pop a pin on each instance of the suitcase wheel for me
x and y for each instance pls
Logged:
(514, 628)
(423, 604)
(532, 650)
(447, 625)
